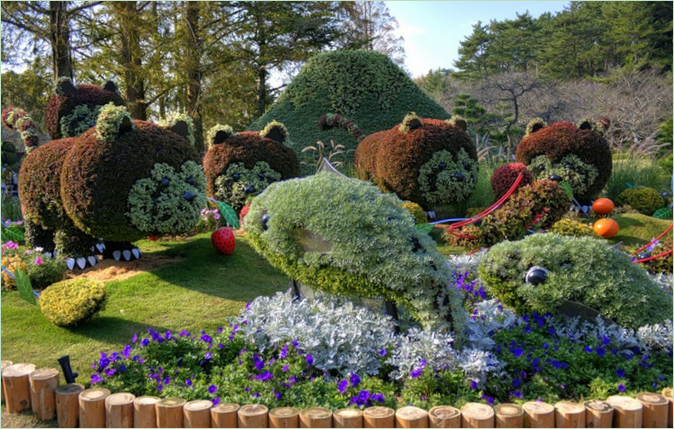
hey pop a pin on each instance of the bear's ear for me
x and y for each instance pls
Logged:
(181, 128)
(219, 134)
(65, 86)
(275, 131)
(113, 121)
(535, 125)
(585, 124)
(459, 122)
(603, 124)
(110, 86)
(181, 124)
(410, 122)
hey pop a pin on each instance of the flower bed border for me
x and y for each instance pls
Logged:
(99, 407)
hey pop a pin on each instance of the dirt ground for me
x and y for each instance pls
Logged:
(109, 269)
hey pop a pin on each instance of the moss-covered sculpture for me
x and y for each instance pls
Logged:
(238, 166)
(365, 86)
(74, 109)
(554, 273)
(578, 155)
(426, 161)
(119, 181)
(17, 119)
(345, 237)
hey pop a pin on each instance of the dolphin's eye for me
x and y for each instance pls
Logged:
(264, 221)
(536, 275)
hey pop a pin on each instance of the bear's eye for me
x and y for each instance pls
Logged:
(442, 165)
(465, 165)
(261, 175)
(192, 181)
(165, 182)
(536, 275)
(236, 176)
(541, 167)
(568, 165)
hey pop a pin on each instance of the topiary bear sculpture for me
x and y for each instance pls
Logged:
(241, 165)
(563, 151)
(74, 109)
(120, 181)
(574, 275)
(427, 161)
(345, 237)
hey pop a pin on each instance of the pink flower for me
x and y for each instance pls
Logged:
(38, 261)
(216, 215)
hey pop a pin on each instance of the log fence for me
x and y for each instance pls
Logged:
(25, 388)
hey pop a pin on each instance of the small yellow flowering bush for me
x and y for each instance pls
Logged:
(70, 302)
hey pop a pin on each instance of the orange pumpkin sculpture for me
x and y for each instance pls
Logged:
(603, 206)
(606, 228)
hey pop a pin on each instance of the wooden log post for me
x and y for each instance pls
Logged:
(509, 416)
(119, 410)
(411, 417)
(284, 417)
(68, 405)
(379, 417)
(316, 417)
(170, 412)
(3, 364)
(476, 415)
(197, 414)
(569, 415)
(224, 415)
(444, 417)
(144, 412)
(668, 393)
(253, 416)
(627, 412)
(655, 411)
(17, 386)
(92, 407)
(347, 418)
(598, 414)
(538, 415)
(43, 384)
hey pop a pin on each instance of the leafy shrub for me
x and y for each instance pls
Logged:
(572, 228)
(45, 271)
(635, 171)
(345, 237)
(581, 269)
(416, 211)
(72, 302)
(535, 206)
(79, 120)
(11, 208)
(644, 200)
(504, 177)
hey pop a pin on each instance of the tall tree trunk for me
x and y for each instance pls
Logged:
(193, 70)
(129, 34)
(59, 38)
(261, 90)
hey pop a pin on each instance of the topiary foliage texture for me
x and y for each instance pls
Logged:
(238, 166)
(345, 237)
(71, 302)
(365, 86)
(504, 177)
(105, 184)
(644, 200)
(581, 270)
(74, 109)
(426, 161)
(578, 155)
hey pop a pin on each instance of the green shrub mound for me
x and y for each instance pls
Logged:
(235, 162)
(581, 270)
(365, 86)
(345, 237)
(74, 109)
(426, 161)
(71, 302)
(573, 228)
(644, 200)
(76, 190)
(579, 156)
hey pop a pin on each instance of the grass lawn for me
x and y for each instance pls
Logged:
(200, 292)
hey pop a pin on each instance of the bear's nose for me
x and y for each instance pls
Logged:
(189, 196)
(249, 189)
(555, 178)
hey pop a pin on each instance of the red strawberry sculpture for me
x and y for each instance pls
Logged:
(223, 240)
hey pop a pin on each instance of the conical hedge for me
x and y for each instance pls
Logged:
(365, 86)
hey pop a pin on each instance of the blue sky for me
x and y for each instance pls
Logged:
(433, 29)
